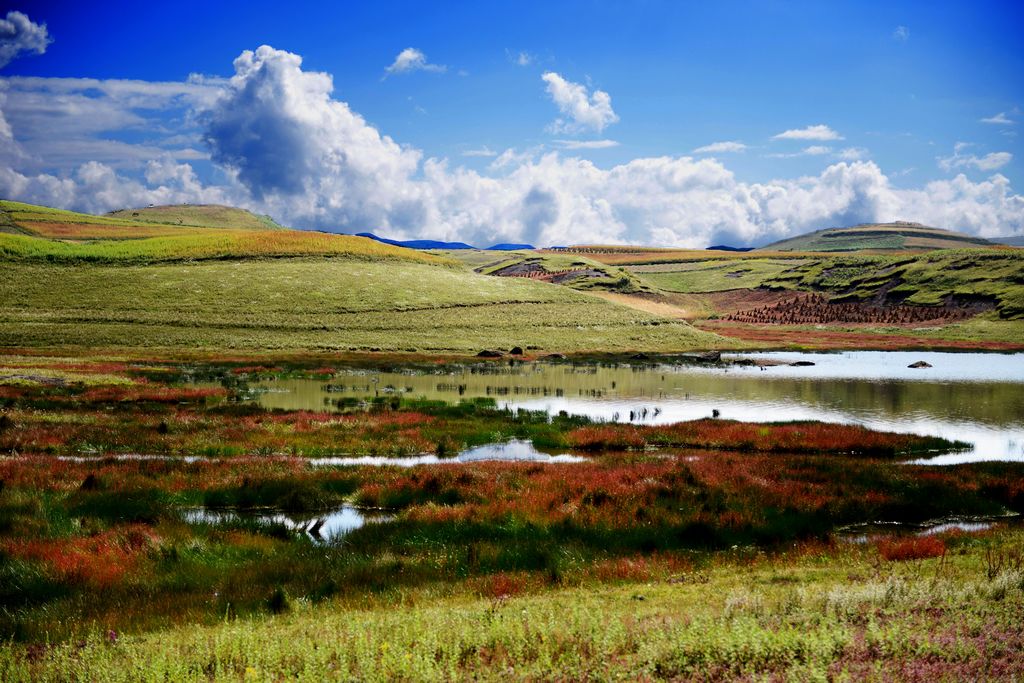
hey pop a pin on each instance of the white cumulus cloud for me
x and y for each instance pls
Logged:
(582, 110)
(19, 34)
(410, 59)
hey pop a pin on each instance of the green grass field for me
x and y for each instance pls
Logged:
(337, 304)
(206, 245)
(714, 276)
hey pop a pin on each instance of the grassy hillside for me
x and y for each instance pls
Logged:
(199, 215)
(41, 221)
(316, 303)
(206, 245)
(184, 286)
(897, 236)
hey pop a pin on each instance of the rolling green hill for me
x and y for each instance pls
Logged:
(896, 236)
(188, 287)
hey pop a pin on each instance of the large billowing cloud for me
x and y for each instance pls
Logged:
(20, 34)
(282, 144)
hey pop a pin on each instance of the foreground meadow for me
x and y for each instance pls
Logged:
(811, 613)
(154, 525)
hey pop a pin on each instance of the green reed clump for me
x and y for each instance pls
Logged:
(291, 494)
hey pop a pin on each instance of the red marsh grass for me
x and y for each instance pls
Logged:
(901, 550)
(98, 561)
(794, 437)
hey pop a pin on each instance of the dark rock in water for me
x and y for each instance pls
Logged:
(710, 357)
(744, 362)
(715, 413)
(516, 351)
(919, 364)
(639, 356)
(801, 364)
(487, 353)
(555, 356)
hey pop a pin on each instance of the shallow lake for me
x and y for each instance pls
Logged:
(972, 397)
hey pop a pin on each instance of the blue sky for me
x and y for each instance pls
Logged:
(570, 121)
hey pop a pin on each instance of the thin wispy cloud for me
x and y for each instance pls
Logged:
(521, 57)
(484, 151)
(818, 132)
(586, 144)
(728, 146)
(410, 59)
(852, 154)
(992, 161)
(999, 119)
(812, 151)
(902, 34)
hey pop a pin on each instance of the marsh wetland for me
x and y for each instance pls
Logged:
(142, 496)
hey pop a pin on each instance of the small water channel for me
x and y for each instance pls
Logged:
(972, 397)
(513, 450)
(870, 531)
(319, 527)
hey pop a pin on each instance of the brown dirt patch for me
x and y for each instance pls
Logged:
(817, 309)
(680, 307)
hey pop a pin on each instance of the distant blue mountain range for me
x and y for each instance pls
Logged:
(726, 247)
(437, 244)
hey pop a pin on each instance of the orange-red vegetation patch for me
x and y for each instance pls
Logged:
(85, 231)
(255, 370)
(920, 548)
(796, 437)
(504, 584)
(98, 561)
(152, 394)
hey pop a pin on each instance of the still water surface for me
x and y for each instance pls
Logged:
(972, 397)
(319, 527)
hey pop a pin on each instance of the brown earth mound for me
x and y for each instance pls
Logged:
(811, 309)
